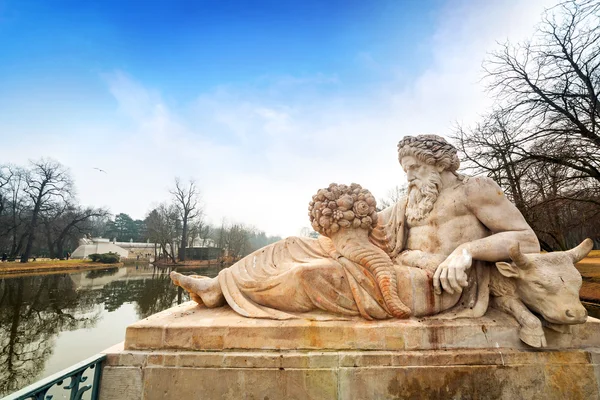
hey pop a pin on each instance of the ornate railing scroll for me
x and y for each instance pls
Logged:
(77, 386)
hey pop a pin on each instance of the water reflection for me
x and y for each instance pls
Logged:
(32, 311)
(37, 310)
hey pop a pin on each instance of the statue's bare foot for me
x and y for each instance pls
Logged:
(175, 278)
(202, 288)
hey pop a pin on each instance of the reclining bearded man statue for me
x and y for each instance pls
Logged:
(440, 242)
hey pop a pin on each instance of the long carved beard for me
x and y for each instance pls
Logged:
(422, 197)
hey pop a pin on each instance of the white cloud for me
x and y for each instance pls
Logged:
(260, 151)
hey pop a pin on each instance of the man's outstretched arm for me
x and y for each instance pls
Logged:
(506, 224)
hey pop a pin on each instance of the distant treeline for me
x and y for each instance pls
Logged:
(40, 216)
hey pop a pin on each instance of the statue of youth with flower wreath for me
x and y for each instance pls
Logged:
(422, 256)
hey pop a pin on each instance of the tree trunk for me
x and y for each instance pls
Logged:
(52, 254)
(184, 237)
(60, 250)
(172, 253)
(17, 246)
(34, 218)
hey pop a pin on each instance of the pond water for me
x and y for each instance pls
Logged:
(49, 322)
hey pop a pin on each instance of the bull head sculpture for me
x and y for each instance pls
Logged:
(547, 284)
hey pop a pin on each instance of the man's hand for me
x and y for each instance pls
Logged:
(452, 272)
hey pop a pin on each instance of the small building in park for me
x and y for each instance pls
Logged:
(99, 246)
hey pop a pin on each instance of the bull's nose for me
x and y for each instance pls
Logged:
(580, 315)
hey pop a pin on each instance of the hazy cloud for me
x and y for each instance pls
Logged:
(260, 150)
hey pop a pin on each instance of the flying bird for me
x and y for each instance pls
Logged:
(101, 170)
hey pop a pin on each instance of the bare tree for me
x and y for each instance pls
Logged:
(541, 141)
(491, 148)
(306, 232)
(46, 181)
(162, 225)
(6, 175)
(561, 210)
(558, 206)
(62, 220)
(204, 232)
(19, 212)
(234, 238)
(13, 210)
(198, 229)
(393, 196)
(187, 201)
(550, 86)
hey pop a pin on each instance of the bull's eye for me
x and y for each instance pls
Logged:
(538, 284)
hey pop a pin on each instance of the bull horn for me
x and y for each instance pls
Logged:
(579, 252)
(519, 258)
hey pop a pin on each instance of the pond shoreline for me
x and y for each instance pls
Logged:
(55, 268)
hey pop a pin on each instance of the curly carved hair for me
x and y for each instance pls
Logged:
(430, 149)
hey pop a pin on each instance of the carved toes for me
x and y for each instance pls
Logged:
(175, 277)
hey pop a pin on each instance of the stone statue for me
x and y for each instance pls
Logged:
(86, 239)
(445, 250)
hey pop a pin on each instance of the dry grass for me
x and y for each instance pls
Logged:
(589, 268)
(594, 254)
(44, 262)
(191, 263)
(51, 265)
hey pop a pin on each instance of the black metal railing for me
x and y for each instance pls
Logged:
(75, 391)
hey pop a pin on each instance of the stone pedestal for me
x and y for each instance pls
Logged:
(189, 352)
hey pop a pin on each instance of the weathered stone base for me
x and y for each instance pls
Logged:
(215, 354)
(190, 327)
(431, 374)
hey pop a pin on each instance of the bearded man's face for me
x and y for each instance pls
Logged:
(424, 185)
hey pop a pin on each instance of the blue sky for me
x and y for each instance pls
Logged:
(262, 102)
(61, 48)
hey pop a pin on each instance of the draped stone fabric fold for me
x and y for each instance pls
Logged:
(292, 277)
(390, 232)
(296, 276)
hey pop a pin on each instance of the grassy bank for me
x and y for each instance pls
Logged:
(51, 265)
(594, 254)
(189, 263)
(589, 268)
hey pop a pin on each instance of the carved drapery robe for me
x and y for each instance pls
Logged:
(307, 278)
